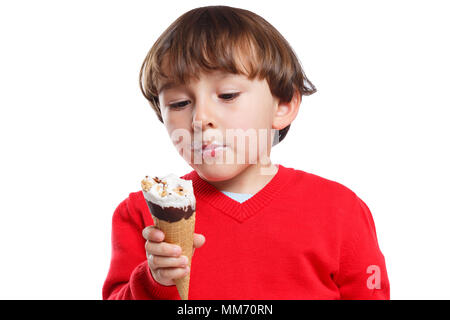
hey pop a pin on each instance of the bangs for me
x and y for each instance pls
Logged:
(206, 43)
(202, 56)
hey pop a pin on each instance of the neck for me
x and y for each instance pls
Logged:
(252, 179)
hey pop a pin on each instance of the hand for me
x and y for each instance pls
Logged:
(164, 259)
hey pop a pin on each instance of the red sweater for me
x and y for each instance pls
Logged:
(300, 237)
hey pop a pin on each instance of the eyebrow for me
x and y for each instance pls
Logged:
(170, 84)
(166, 85)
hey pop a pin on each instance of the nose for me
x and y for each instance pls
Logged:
(203, 116)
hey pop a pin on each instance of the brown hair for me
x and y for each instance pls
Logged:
(220, 38)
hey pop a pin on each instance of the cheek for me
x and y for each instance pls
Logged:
(177, 121)
(253, 119)
(249, 116)
(181, 139)
(174, 119)
(179, 131)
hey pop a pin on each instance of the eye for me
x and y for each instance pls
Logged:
(225, 96)
(230, 96)
(178, 105)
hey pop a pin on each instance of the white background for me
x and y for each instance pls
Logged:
(77, 135)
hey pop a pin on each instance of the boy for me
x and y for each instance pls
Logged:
(264, 231)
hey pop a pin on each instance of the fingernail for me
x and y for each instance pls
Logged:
(187, 270)
(176, 250)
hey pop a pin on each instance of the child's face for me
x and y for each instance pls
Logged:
(229, 109)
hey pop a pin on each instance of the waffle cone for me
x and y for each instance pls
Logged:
(180, 233)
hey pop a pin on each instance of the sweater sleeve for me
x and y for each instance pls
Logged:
(362, 270)
(129, 277)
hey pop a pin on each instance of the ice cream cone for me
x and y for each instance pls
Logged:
(180, 233)
(171, 202)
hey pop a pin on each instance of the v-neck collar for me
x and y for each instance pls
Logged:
(240, 211)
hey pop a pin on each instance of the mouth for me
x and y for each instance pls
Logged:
(212, 146)
(209, 149)
(213, 150)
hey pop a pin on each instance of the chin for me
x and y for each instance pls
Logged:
(219, 172)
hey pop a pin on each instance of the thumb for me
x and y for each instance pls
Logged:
(199, 240)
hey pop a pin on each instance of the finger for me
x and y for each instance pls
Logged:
(156, 262)
(199, 240)
(162, 249)
(164, 282)
(172, 273)
(152, 233)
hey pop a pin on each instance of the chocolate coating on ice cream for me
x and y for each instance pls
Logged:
(169, 214)
(169, 198)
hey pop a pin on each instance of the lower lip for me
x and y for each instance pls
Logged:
(212, 153)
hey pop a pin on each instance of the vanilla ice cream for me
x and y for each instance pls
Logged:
(169, 198)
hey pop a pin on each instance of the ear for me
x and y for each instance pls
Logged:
(286, 112)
